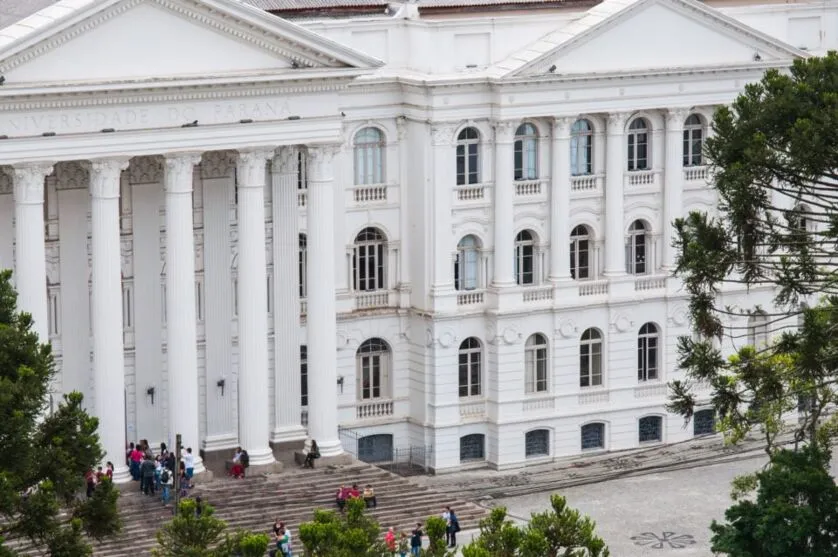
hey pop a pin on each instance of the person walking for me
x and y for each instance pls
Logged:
(416, 540)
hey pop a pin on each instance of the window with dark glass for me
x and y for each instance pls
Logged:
(647, 353)
(593, 436)
(693, 141)
(468, 157)
(473, 447)
(526, 152)
(368, 261)
(537, 443)
(590, 358)
(650, 429)
(638, 145)
(580, 253)
(524, 258)
(469, 367)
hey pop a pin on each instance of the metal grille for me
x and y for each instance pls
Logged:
(649, 429)
(473, 447)
(379, 449)
(704, 422)
(376, 448)
(538, 443)
(593, 436)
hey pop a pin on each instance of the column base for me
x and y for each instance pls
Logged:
(121, 475)
(341, 459)
(273, 467)
(288, 434)
(262, 456)
(330, 448)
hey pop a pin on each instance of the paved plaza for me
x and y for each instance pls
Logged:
(650, 512)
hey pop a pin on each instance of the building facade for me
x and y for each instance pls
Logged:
(434, 225)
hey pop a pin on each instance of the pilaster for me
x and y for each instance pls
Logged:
(673, 181)
(286, 297)
(321, 320)
(30, 250)
(181, 333)
(254, 418)
(404, 215)
(615, 265)
(560, 202)
(438, 211)
(108, 350)
(504, 237)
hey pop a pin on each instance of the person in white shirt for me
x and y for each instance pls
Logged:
(189, 464)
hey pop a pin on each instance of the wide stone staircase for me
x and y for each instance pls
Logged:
(292, 496)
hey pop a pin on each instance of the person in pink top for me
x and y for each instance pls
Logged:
(390, 539)
(136, 459)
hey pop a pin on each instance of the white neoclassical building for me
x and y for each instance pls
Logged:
(437, 228)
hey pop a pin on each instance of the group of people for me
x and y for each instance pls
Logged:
(156, 473)
(92, 479)
(240, 464)
(406, 542)
(282, 540)
(344, 494)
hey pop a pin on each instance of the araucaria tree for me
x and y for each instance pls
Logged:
(774, 165)
(44, 456)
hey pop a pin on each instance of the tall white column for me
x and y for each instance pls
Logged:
(504, 200)
(30, 250)
(254, 419)
(615, 253)
(674, 181)
(286, 289)
(320, 317)
(181, 333)
(560, 201)
(108, 355)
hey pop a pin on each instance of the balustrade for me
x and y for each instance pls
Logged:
(593, 287)
(370, 194)
(374, 409)
(470, 298)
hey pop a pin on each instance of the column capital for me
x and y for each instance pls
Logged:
(104, 177)
(251, 167)
(562, 125)
(617, 122)
(286, 160)
(179, 170)
(442, 133)
(505, 131)
(29, 182)
(675, 118)
(323, 154)
(217, 164)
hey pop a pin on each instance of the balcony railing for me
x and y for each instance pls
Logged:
(642, 178)
(695, 174)
(371, 300)
(472, 409)
(586, 183)
(374, 409)
(302, 198)
(470, 298)
(642, 284)
(593, 287)
(537, 294)
(536, 404)
(595, 396)
(528, 188)
(376, 193)
(474, 192)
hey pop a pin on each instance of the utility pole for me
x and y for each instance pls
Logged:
(177, 472)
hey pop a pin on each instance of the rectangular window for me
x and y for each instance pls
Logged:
(303, 376)
(473, 176)
(199, 299)
(461, 165)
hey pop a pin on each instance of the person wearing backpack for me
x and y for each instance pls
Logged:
(166, 482)
(453, 527)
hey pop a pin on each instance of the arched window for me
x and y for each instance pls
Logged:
(693, 141)
(469, 364)
(537, 443)
(373, 369)
(647, 352)
(468, 157)
(638, 145)
(581, 148)
(368, 260)
(467, 264)
(524, 258)
(590, 358)
(369, 156)
(473, 447)
(650, 429)
(303, 265)
(636, 249)
(704, 422)
(526, 152)
(535, 362)
(593, 436)
(758, 330)
(580, 253)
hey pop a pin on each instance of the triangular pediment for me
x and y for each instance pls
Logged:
(630, 35)
(145, 40)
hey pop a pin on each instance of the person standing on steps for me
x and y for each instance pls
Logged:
(390, 540)
(416, 540)
(189, 463)
(166, 482)
(453, 527)
(446, 516)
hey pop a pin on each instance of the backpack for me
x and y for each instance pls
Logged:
(164, 476)
(245, 459)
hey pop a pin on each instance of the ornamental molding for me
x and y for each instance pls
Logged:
(442, 133)
(29, 182)
(197, 12)
(105, 177)
(53, 263)
(251, 167)
(505, 131)
(679, 316)
(675, 118)
(126, 249)
(621, 323)
(72, 175)
(567, 329)
(179, 173)
(218, 164)
(145, 170)
(286, 161)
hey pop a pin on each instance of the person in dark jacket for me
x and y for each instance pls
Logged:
(147, 475)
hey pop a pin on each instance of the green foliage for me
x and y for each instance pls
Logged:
(44, 457)
(774, 157)
(190, 535)
(435, 528)
(557, 532)
(350, 535)
(795, 511)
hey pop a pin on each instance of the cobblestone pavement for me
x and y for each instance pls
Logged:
(649, 503)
